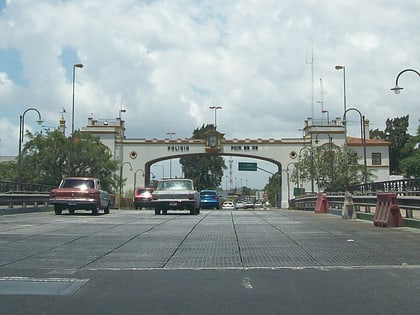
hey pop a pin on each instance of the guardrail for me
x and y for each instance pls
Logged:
(408, 201)
(24, 200)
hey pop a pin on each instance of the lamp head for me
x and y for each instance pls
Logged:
(78, 65)
(397, 89)
(338, 67)
(39, 121)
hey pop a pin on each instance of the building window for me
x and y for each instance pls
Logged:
(376, 159)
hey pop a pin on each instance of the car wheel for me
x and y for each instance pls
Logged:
(57, 210)
(106, 210)
(157, 211)
(71, 211)
(95, 210)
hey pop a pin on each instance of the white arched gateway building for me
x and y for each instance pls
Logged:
(140, 154)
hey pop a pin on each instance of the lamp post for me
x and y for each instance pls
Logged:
(121, 175)
(363, 139)
(77, 65)
(21, 135)
(170, 134)
(338, 67)
(397, 89)
(135, 179)
(215, 109)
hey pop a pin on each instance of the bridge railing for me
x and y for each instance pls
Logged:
(9, 187)
(410, 185)
(408, 200)
(24, 200)
(23, 196)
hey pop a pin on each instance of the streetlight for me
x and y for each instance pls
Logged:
(77, 65)
(338, 67)
(363, 138)
(135, 179)
(215, 109)
(21, 135)
(397, 89)
(170, 134)
(121, 175)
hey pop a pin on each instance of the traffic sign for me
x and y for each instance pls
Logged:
(245, 166)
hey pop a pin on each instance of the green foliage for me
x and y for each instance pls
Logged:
(272, 188)
(396, 133)
(205, 170)
(329, 166)
(8, 171)
(410, 165)
(46, 159)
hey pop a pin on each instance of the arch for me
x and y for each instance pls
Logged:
(149, 164)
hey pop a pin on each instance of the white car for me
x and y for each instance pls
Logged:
(258, 204)
(176, 194)
(240, 204)
(228, 205)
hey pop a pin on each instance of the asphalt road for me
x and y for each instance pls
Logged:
(218, 262)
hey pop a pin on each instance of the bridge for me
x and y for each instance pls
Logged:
(139, 154)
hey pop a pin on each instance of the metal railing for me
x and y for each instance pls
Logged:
(9, 187)
(400, 185)
(24, 200)
(408, 201)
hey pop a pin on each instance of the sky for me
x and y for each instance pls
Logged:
(269, 64)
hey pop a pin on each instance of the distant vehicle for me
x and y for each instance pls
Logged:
(209, 199)
(143, 197)
(258, 204)
(240, 204)
(76, 193)
(176, 194)
(249, 204)
(228, 205)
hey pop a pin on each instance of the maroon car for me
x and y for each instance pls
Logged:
(143, 197)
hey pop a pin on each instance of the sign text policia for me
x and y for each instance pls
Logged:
(245, 166)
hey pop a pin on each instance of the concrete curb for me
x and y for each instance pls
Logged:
(6, 211)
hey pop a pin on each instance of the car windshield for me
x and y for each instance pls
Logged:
(208, 193)
(175, 185)
(78, 183)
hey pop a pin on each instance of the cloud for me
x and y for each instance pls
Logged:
(166, 62)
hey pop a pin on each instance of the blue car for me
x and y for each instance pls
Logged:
(209, 199)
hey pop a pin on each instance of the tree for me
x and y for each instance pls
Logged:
(205, 170)
(46, 159)
(8, 171)
(272, 188)
(321, 164)
(410, 165)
